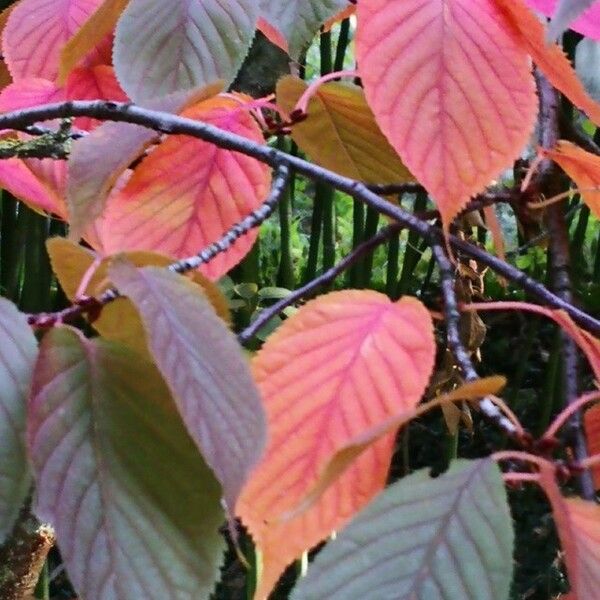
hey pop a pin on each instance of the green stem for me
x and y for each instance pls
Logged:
(392, 265)
(9, 250)
(529, 338)
(285, 273)
(358, 234)
(342, 45)
(413, 253)
(366, 265)
(37, 273)
(451, 446)
(328, 227)
(551, 383)
(315, 234)
(42, 588)
(325, 50)
(428, 275)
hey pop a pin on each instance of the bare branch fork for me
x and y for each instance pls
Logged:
(173, 124)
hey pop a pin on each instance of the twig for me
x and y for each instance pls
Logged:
(313, 286)
(461, 355)
(169, 123)
(93, 306)
(559, 272)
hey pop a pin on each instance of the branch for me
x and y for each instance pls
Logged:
(560, 270)
(173, 124)
(461, 355)
(93, 306)
(306, 291)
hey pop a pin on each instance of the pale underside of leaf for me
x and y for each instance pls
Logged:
(205, 369)
(136, 511)
(18, 349)
(587, 23)
(164, 47)
(566, 12)
(450, 88)
(447, 538)
(298, 21)
(340, 132)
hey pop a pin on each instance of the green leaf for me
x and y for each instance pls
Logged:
(448, 538)
(247, 291)
(204, 367)
(165, 46)
(18, 350)
(135, 509)
(273, 293)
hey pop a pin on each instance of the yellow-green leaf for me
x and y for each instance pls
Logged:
(341, 134)
(119, 320)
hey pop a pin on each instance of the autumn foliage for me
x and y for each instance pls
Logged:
(150, 437)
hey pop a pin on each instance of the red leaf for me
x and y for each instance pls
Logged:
(578, 524)
(341, 365)
(36, 32)
(93, 83)
(180, 211)
(450, 88)
(591, 419)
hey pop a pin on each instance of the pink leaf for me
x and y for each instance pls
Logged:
(451, 89)
(37, 30)
(29, 92)
(40, 183)
(180, 211)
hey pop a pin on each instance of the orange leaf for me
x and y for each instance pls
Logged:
(530, 33)
(343, 458)
(582, 167)
(341, 365)
(341, 133)
(91, 33)
(451, 89)
(179, 211)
